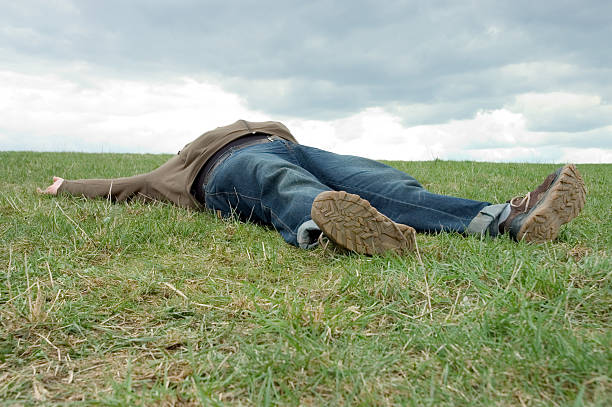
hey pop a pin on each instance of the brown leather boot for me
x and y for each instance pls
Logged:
(537, 216)
(352, 223)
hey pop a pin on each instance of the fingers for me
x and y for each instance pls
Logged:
(46, 191)
(52, 189)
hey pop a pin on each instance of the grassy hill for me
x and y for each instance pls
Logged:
(120, 304)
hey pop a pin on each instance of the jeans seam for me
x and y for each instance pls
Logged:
(402, 202)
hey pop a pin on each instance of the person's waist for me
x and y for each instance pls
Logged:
(242, 142)
(245, 141)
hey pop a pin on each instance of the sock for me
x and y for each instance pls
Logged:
(504, 215)
(308, 235)
(487, 221)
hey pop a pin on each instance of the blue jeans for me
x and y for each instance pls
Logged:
(275, 183)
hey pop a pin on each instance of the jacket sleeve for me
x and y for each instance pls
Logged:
(118, 189)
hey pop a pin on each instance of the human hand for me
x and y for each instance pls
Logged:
(52, 189)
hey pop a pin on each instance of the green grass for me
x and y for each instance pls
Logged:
(121, 304)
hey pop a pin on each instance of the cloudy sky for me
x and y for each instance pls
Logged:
(408, 80)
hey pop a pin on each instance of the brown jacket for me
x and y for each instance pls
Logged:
(172, 181)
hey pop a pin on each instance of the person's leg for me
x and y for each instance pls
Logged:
(277, 183)
(264, 183)
(395, 193)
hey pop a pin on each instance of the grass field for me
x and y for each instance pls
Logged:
(133, 304)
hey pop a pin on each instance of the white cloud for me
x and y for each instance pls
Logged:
(372, 133)
(379, 134)
(563, 111)
(586, 155)
(53, 112)
(498, 135)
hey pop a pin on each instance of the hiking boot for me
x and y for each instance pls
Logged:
(352, 223)
(537, 216)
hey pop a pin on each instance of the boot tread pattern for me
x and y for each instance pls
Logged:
(351, 222)
(562, 203)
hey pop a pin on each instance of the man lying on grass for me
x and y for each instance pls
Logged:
(260, 172)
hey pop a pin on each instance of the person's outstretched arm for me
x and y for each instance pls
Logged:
(118, 189)
(170, 182)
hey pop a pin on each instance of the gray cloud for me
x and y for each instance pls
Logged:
(429, 62)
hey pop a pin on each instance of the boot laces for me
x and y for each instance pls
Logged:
(523, 200)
